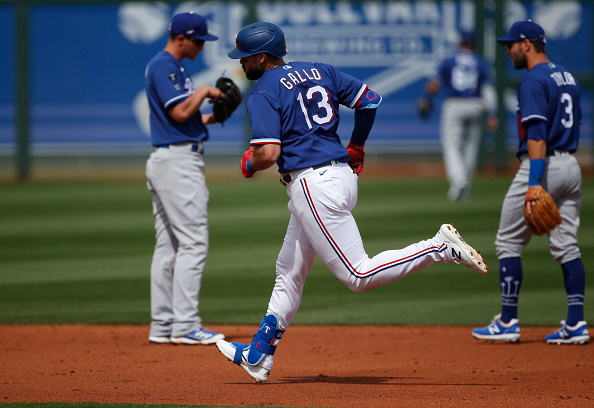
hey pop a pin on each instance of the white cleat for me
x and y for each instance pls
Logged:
(200, 336)
(160, 339)
(461, 251)
(231, 352)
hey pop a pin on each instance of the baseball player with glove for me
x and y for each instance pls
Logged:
(294, 113)
(175, 176)
(545, 195)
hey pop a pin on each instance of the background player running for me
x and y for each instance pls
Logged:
(549, 118)
(293, 109)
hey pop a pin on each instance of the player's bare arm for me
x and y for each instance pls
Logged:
(208, 119)
(188, 108)
(265, 156)
(537, 149)
(259, 157)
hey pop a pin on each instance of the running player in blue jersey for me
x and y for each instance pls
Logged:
(549, 118)
(469, 92)
(175, 176)
(294, 112)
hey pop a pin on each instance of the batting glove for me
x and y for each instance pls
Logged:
(246, 169)
(356, 156)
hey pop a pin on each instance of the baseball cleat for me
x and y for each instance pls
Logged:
(577, 334)
(160, 339)
(238, 353)
(498, 330)
(200, 336)
(462, 253)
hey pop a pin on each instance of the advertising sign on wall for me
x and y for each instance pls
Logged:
(88, 61)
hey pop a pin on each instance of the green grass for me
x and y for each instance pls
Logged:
(80, 253)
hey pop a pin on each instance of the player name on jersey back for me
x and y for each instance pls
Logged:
(563, 78)
(291, 79)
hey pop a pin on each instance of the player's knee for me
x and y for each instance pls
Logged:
(508, 251)
(562, 257)
(359, 289)
(358, 285)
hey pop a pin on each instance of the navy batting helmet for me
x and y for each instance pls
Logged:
(259, 37)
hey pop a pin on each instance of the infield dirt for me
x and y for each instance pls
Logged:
(360, 366)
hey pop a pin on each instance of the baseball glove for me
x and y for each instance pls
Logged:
(225, 106)
(544, 215)
(424, 107)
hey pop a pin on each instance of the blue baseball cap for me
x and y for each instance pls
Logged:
(525, 30)
(191, 25)
(467, 37)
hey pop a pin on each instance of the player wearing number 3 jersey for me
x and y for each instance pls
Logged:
(294, 112)
(549, 117)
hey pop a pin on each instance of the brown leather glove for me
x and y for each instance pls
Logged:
(540, 211)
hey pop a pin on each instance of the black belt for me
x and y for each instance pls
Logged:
(287, 177)
(196, 147)
(319, 166)
(552, 152)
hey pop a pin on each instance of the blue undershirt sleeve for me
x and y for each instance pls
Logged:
(364, 119)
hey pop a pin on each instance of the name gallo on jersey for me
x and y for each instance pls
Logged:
(298, 77)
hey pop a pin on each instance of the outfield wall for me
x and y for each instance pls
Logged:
(87, 61)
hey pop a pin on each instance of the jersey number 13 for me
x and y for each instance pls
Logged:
(325, 112)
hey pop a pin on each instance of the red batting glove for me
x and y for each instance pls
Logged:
(356, 156)
(244, 163)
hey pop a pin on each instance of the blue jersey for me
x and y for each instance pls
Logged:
(550, 94)
(463, 75)
(167, 84)
(296, 106)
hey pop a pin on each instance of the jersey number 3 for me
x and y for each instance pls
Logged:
(326, 113)
(568, 102)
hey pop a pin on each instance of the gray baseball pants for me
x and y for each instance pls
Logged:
(461, 126)
(175, 176)
(563, 180)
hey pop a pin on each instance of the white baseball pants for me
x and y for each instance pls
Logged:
(321, 224)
